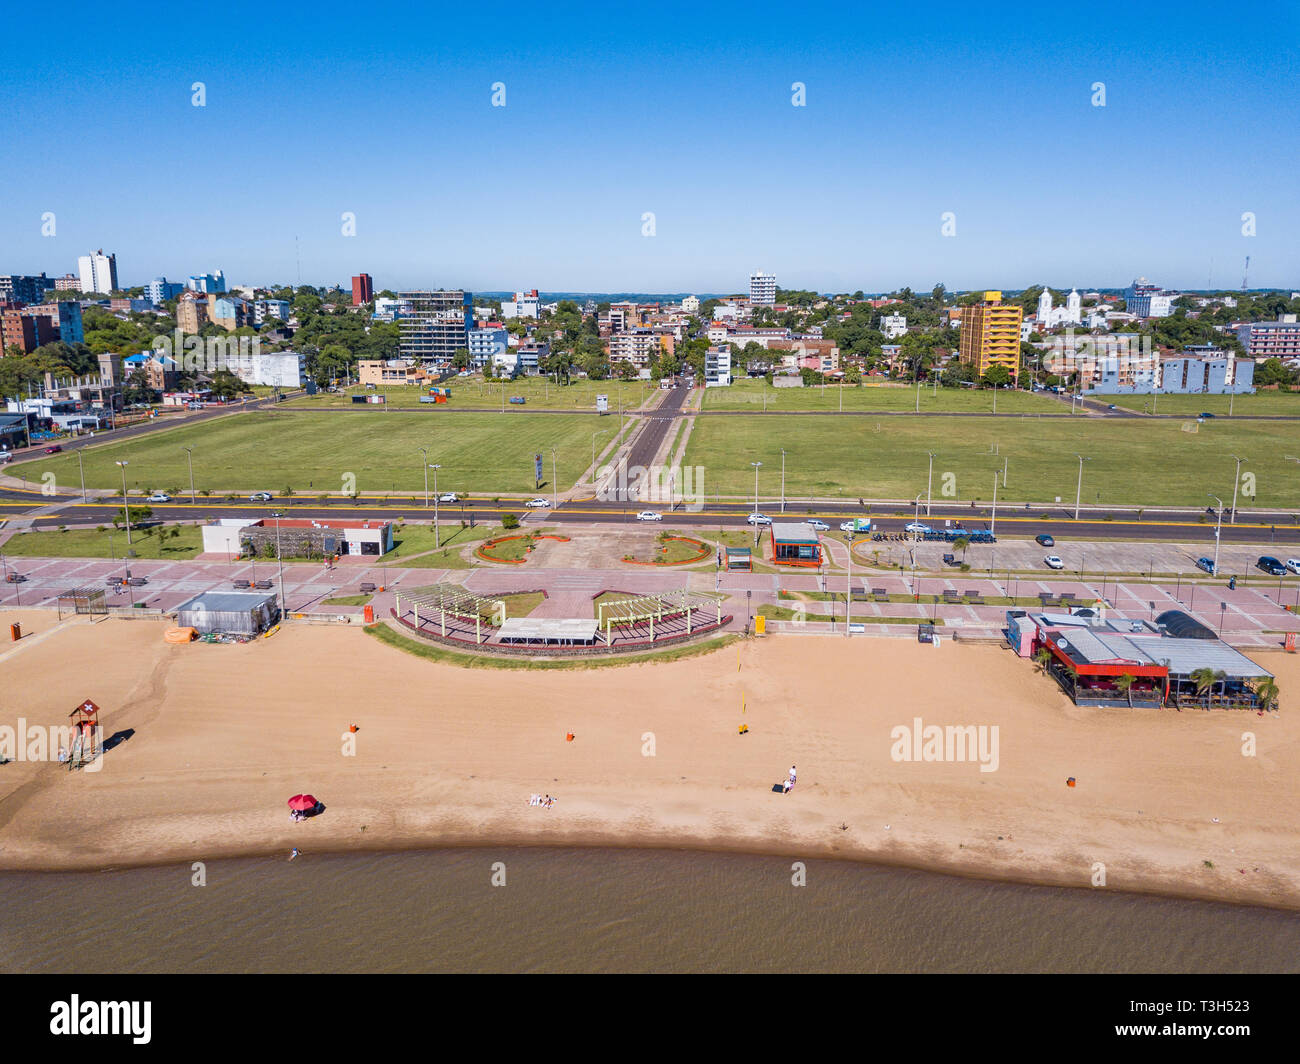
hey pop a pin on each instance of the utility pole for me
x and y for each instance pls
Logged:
(189, 459)
(929, 481)
(437, 542)
(1218, 525)
(555, 491)
(424, 461)
(126, 504)
(993, 519)
(1078, 491)
(783, 480)
(284, 606)
(82, 469)
(1235, 483)
(757, 466)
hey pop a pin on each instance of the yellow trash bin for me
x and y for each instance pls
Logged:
(760, 625)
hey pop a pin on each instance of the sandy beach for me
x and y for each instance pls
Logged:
(221, 735)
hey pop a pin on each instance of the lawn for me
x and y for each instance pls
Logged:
(88, 543)
(414, 549)
(757, 394)
(474, 393)
(1136, 462)
(1263, 404)
(312, 453)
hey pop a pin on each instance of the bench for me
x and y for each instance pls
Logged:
(971, 595)
(880, 594)
(367, 589)
(859, 594)
(240, 585)
(138, 581)
(112, 581)
(949, 559)
(15, 578)
(950, 596)
(263, 585)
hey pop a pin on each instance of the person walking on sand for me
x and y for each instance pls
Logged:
(295, 852)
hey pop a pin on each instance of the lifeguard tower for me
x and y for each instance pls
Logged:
(87, 739)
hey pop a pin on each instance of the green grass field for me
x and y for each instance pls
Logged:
(312, 453)
(88, 543)
(474, 393)
(1263, 404)
(1134, 462)
(752, 394)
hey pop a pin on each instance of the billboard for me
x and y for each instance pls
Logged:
(602, 404)
(862, 524)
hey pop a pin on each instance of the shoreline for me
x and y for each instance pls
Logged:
(221, 735)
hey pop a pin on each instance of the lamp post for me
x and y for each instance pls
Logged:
(1235, 483)
(279, 558)
(757, 466)
(82, 470)
(555, 490)
(437, 542)
(189, 460)
(916, 516)
(993, 519)
(126, 504)
(1078, 490)
(929, 481)
(424, 461)
(783, 480)
(1218, 524)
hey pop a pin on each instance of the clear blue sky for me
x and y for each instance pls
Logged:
(680, 110)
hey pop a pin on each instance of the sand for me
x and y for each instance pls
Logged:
(222, 735)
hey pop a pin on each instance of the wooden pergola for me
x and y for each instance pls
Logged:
(454, 601)
(652, 608)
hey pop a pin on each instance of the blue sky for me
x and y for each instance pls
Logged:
(684, 111)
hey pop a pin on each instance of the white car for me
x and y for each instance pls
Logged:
(847, 526)
(916, 526)
(820, 526)
(449, 496)
(159, 496)
(539, 501)
(260, 496)
(759, 519)
(1293, 564)
(649, 515)
(1053, 562)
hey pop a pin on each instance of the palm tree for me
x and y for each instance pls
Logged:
(1125, 684)
(1266, 691)
(1204, 681)
(961, 543)
(1043, 658)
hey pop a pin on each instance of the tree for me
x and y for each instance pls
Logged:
(1267, 693)
(1125, 685)
(961, 543)
(1204, 681)
(1043, 658)
(998, 376)
(460, 360)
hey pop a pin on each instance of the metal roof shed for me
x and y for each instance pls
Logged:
(232, 612)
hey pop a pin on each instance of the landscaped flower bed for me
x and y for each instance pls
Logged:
(485, 551)
(698, 551)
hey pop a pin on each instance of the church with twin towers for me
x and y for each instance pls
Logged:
(1070, 314)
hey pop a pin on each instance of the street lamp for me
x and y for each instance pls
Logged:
(916, 517)
(1218, 524)
(126, 504)
(189, 459)
(424, 461)
(555, 488)
(1078, 490)
(993, 519)
(929, 481)
(757, 466)
(436, 541)
(82, 470)
(783, 480)
(1235, 482)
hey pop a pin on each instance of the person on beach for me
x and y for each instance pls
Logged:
(295, 852)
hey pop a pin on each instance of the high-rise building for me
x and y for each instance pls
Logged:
(159, 290)
(524, 305)
(20, 288)
(207, 283)
(1271, 339)
(191, 312)
(98, 272)
(363, 289)
(1148, 300)
(69, 282)
(762, 289)
(65, 319)
(437, 326)
(990, 335)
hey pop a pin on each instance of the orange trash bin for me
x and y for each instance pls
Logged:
(370, 615)
(15, 632)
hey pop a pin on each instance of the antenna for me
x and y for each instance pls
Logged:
(1245, 273)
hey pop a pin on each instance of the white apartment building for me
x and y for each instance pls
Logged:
(275, 369)
(691, 305)
(273, 308)
(762, 289)
(98, 272)
(524, 305)
(893, 326)
(717, 367)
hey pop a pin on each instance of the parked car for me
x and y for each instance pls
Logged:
(260, 496)
(6, 456)
(1207, 564)
(54, 449)
(758, 519)
(1293, 564)
(1044, 540)
(1205, 413)
(1271, 566)
(159, 496)
(539, 501)
(649, 515)
(448, 496)
(1053, 562)
(820, 526)
(916, 526)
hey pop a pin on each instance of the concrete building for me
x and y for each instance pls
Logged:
(363, 289)
(487, 342)
(230, 312)
(191, 312)
(207, 283)
(264, 309)
(762, 289)
(990, 335)
(1271, 339)
(388, 309)
(275, 369)
(639, 347)
(98, 272)
(23, 330)
(375, 372)
(24, 288)
(159, 290)
(1050, 317)
(691, 305)
(524, 305)
(298, 538)
(69, 282)
(1147, 300)
(437, 326)
(893, 326)
(717, 366)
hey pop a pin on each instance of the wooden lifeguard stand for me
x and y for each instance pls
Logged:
(87, 739)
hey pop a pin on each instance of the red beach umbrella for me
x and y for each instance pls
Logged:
(302, 802)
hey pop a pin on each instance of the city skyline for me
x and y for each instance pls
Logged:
(905, 126)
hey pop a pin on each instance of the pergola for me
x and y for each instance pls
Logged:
(89, 600)
(631, 610)
(453, 600)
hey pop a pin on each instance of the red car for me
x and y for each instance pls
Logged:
(53, 450)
